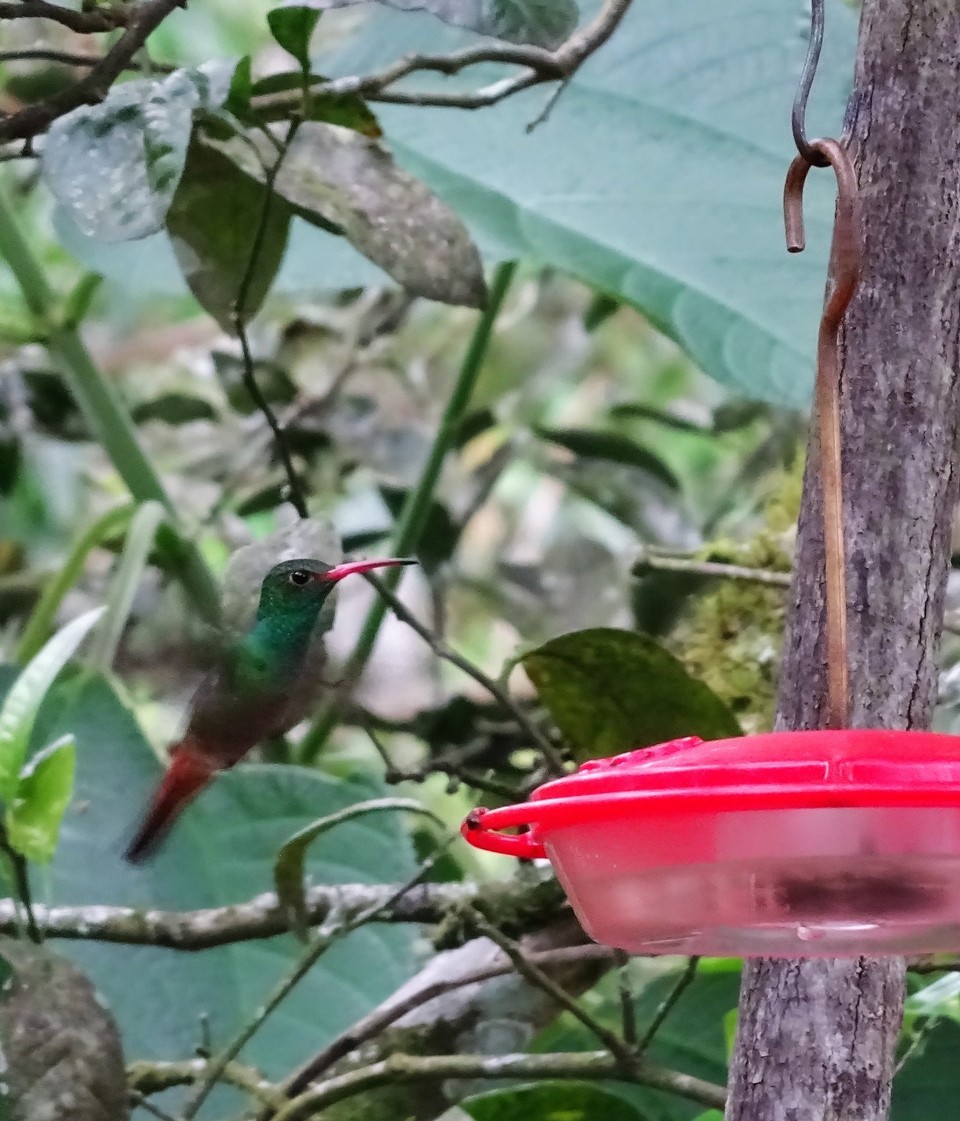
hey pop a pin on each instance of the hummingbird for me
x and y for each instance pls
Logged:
(263, 685)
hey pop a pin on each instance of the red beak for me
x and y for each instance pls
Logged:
(348, 568)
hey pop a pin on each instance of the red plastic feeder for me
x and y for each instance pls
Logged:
(790, 844)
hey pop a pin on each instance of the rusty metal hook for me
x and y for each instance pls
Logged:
(843, 276)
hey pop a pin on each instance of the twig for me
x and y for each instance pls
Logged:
(536, 976)
(628, 1011)
(93, 87)
(400, 610)
(400, 1068)
(138, 1099)
(663, 563)
(524, 903)
(538, 66)
(21, 885)
(373, 1024)
(683, 981)
(296, 496)
(314, 952)
(69, 58)
(87, 22)
(147, 1077)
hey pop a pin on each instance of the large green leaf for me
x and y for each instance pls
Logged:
(543, 23)
(552, 1101)
(611, 690)
(928, 1083)
(221, 852)
(658, 176)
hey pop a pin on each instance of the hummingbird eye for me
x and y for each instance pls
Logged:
(299, 577)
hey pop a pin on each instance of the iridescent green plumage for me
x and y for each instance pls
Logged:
(264, 685)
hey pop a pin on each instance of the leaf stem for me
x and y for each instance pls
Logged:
(21, 885)
(99, 402)
(416, 508)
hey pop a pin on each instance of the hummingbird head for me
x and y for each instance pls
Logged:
(300, 588)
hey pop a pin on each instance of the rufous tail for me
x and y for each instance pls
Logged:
(190, 771)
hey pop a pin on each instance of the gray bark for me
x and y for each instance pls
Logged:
(816, 1039)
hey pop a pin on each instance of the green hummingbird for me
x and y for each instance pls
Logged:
(263, 685)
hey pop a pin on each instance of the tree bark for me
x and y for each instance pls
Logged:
(816, 1038)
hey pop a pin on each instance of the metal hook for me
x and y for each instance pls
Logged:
(799, 114)
(843, 276)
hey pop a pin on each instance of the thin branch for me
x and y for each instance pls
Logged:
(523, 902)
(21, 884)
(400, 1068)
(400, 610)
(138, 1099)
(93, 87)
(660, 562)
(87, 22)
(314, 952)
(381, 1018)
(69, 58)
(536, 976)
(683, 982)
(538, 66)
(146, 1077)
(628, 1010)
(296, 495)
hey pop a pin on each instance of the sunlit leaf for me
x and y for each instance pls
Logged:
(23, 701)
(552, 1101)
(288, 871)
(46, 786)
(610, 690)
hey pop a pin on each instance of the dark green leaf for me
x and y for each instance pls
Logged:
(33, 819)
(241, 87)
(174, 408)
(265, 496)
(115, 166)
(602, 306)
(640, 411)
(213, 221)
(473, 424)
(611, 690)
(352, 182)
(542, 23)
(292, 28)
(737, 414)
(930, 1079)
(552, 1101)
(611, 446)
(54, 410)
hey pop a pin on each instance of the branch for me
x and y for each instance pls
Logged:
(381, 1018)
(539, 66)
(85, 22)
(400, 1068)
(68, 58)
(95, 86)
(146, 1077)
(520, 904)
(662, 563)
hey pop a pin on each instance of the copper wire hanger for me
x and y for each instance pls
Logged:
(842, 278)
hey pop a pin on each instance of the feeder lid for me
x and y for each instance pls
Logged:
(779, 770)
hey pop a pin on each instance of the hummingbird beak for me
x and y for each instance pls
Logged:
(348, 568)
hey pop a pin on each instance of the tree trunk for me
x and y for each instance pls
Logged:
(816, 1038)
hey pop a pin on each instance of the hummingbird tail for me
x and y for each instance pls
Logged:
(190, 771)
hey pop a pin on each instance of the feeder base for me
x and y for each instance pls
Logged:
(815, 908)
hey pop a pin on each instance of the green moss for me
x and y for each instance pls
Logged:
(732, 636)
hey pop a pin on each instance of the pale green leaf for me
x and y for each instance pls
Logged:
(46, 786)
(23, 701)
